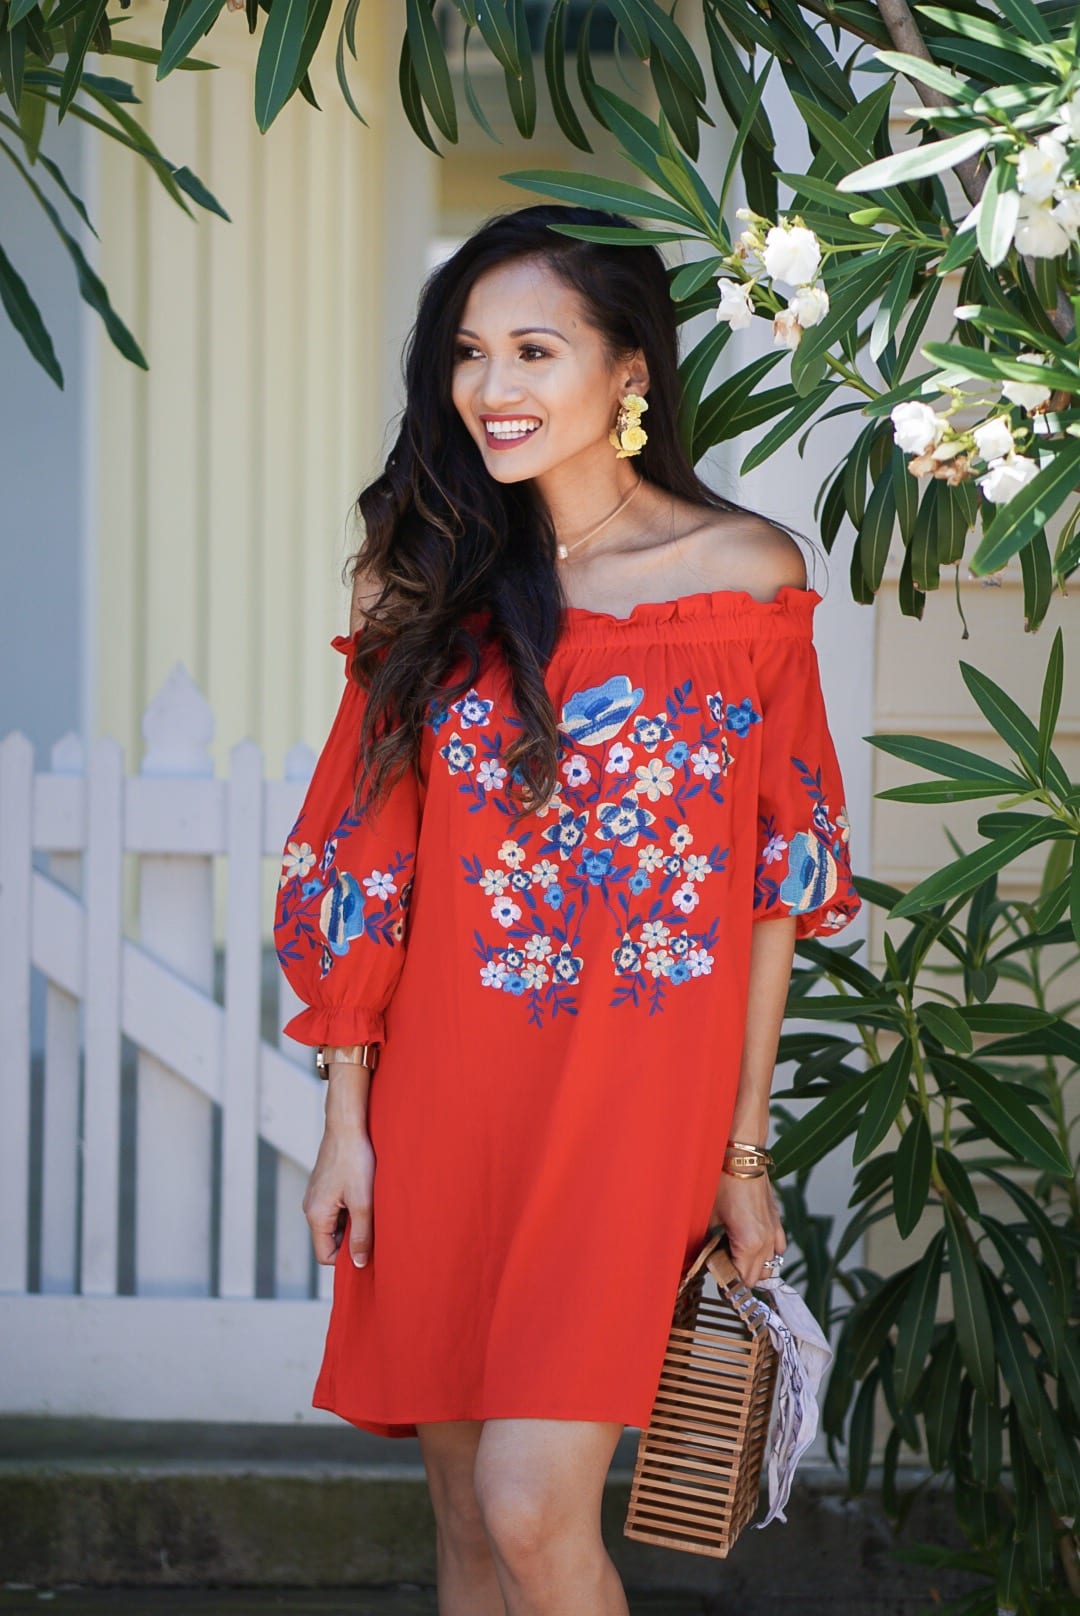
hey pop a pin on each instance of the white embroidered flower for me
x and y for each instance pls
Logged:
(700, 962)
(538, 946)
(493, 882)
(493, 974)
(786, 330)
(686, 898)
(576, 771)
(705, 761)
(1028, 394)
(916, 427)
(298, 860)
(792, 254)
(654, 779)
(534, 976)
(774, 849)
(505, 911)
(736, 303)
(1038, 232)
(654, 934)
(379, 884)
(491, 774)
(659, 963)
(619, 759)
(994, 438)
(681, 837)
(544, 873)
(696, 866)
(650, 858)
(512, 853)
(1006, 477)
(1038, 167)
(809, 305)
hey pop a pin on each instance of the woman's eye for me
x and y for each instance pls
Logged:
(462, 351)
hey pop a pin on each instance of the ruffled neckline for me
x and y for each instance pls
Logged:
(790, 610)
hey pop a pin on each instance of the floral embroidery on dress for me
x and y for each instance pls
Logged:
(805, 872)
(332, 909)
(604, 842)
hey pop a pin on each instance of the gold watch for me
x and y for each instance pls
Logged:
(348, 1055)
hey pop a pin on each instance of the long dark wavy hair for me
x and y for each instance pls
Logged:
(444, 540)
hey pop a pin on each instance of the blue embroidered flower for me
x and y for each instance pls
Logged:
(741, 715)
(341, 916)
(811, 877)
(596, 866)
(598, 713)
(472, 709)
(649, 732)
(677, 754)
(568, 833)
(459, 754)
(624, 821)
(553, 897)
(639, 882)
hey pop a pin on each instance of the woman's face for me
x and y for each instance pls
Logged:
(552, 387)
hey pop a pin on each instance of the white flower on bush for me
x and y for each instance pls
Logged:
(791, 254)
(1006, 476)
(1038, 167)
(994, 439)
(1038, 233)
(916, 427)
(810, 305)
(1067, 212)
(1069, 113)
(736, 305)
(787, 332)
(1030, 395)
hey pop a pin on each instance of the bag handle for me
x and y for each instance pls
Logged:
(716, 1254)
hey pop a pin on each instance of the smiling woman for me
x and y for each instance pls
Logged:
(581, 751)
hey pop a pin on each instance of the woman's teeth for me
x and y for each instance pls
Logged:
(510, 431)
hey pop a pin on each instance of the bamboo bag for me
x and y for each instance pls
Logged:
(697, 1475)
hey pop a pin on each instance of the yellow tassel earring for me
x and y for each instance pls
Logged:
(628, 436)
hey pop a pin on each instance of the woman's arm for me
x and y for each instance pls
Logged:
(747, 1207)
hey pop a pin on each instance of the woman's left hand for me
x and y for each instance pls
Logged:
(748, 1209)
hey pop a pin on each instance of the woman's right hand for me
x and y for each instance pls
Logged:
(342, 1179)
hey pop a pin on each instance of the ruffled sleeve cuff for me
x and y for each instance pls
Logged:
(337, 1024)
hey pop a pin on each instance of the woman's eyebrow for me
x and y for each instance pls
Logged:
(522, 331)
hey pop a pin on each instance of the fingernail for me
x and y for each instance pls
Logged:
(359, 1259)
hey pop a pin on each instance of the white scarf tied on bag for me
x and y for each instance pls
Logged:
(805, 1355)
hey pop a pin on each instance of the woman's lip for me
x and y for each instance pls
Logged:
(508, 443)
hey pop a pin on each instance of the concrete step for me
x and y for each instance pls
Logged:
(91, 1505)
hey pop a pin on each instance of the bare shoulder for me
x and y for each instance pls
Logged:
(749, 552)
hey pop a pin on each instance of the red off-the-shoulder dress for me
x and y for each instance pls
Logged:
(561, 1005)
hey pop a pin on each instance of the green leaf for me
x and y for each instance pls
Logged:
(674, 47)
(915, 1322)
(911, 1184)
(1050, 704)
(917, 162)
(940, 1398)
(938, 78)
(952, 761)
(1010, 1117)
(600, 193)
(555, 73)
(998, 213)
(1027, 20)
(408, 92)
(884, 1102)
(1013, 725)
(1051, 1241)
(787, 426)
(495, 25)
(970, 1310)
(1030, 1284)
(954, 1176)
(1001, 367)
(1018, 1368)
(873, 1316)
(188, 28)
(876, 531)
(520, 86)
(1074, 891)
(986, 1425)
(940, 791)
(694, 372)
(734, 83)
(86, 26)
(947, 1025)
(966, 872)
(810, 1138)
(628, 16)
(860, 285)
(429, 63)
(1016, 523)
(24, 315)
(1003, 1018)
(861, 1434)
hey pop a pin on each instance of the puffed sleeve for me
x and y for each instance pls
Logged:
(343, 896)
(803, 865)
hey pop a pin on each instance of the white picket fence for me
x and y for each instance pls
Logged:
(154, 1259)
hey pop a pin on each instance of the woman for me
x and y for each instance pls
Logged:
(582, 705)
